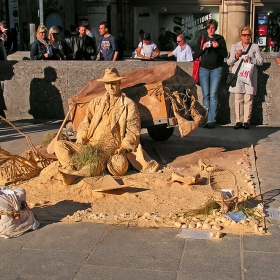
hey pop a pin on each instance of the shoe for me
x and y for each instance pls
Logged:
(246, 125)
(205, 126)
(238, 125)
(211, 125)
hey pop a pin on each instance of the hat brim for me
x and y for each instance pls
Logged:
(110, 80)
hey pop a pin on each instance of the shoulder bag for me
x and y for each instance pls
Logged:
(196, 63)
(142, 51)
(232, 77)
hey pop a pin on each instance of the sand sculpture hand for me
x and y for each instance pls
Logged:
(121, 151)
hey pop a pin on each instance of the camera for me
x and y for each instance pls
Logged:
(209, 44)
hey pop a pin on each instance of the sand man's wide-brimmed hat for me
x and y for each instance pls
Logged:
(111, 75)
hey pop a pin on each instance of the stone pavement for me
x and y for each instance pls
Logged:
(98, 251)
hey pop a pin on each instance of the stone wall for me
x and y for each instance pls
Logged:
(53, 82)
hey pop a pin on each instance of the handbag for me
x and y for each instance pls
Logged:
(246, 72)
(141, 52)
(196, 64)
(232, 77)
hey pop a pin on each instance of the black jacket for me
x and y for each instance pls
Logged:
(72, 46)
(9, 42)
(211, 58)
(37, 50)
(86, 48)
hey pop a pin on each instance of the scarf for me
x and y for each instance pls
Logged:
(44, 42)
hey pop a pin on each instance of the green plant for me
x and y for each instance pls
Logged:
(88, 156)
(205, 210)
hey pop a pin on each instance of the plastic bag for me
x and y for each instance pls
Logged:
(245, 74)
(141, 52)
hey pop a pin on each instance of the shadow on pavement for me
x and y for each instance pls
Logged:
(54, 213)
(269, 196)
(8, 133)
(224, 137)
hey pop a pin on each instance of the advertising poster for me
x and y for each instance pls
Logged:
(14, 18)
(192, 25)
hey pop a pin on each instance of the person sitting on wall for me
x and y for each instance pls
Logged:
(109, 134)
(183, 51)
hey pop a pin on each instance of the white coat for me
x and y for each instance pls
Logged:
(256, 59)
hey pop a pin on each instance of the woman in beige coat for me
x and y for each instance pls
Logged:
(244, 93)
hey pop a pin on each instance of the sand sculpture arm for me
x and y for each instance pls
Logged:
(132, 127)
(83, 128)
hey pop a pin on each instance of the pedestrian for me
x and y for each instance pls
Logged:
(3, 55)
(212, 52)
(72, 42)
(2, 100)
(147, 48)
(86, 45)
(244, 93)
(88, 32)
(41, 48)
(121, 44)
(278, 58)
(141, 34)
(165, 40)
(107, 44)
(8, 42)
(15, 42)
(56, 44)
(183, 51)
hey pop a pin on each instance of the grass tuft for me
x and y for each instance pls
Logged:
(205, 210)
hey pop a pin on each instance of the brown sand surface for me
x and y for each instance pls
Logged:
(149, 200)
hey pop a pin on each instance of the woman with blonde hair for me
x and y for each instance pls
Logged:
(244, 51)
(55, 39)
(41, 47)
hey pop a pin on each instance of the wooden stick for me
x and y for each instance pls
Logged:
(50, 148)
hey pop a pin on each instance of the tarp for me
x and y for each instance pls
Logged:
(169, 74)
(147, 87)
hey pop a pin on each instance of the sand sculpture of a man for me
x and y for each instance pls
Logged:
(107, 137)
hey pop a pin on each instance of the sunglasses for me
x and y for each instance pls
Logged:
(179, 41)
(246, 35)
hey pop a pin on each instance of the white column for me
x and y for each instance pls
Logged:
(97, 12)
(237, 17)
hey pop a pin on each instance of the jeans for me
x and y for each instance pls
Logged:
(209, 81)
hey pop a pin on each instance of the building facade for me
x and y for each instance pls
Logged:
(189, 16)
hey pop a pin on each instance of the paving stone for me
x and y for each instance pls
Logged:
(204, 259)
(261, 266)
(139, 248)
(43, 264)
(264, 243)
(94, 272)
(79, 237)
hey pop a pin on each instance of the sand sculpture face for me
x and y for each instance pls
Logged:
(113, 88)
